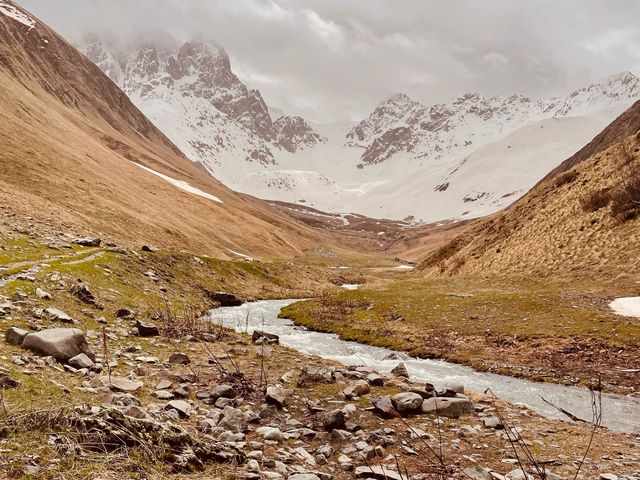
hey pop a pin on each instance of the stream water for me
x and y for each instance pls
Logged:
(620, 413)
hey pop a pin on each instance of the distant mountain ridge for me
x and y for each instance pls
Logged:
(457, 160)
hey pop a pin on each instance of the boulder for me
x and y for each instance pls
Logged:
(125, 313)
(121, 384)
(88, 241)
(454, 387)
(270, 433)
(276, 395)
(6, 382)
(148, 248)
(224, 391)
(182, 407)
(259, 336)
(356, 389)
(447, 407)
(81, 361)
(15, 335)
(384, 407)
(375, 380)
(400, 370)
(54, 314)
(178, 358)
(407, 402)
(233, 420)
(83, 293)
(332, 420)
(378, 472)
(147, 329)
(225, 299)
(61, 343)
(42, 294)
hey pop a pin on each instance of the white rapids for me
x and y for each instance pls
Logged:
(620, 413)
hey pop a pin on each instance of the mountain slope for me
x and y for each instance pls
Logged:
(583, 217)
(71, 142)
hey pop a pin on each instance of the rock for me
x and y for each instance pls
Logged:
(276, 395)
(384, 407)
(313, 375)
(15, 335)
(259, 336)
(608, 476)
(42, 294)
(54, 314)
(164, 395)
(233, 420)
(447, 407)
(83, 293)
(375, 380)
(454, 387)
(493, 422)
(6, 382)
(148, 248)
(164, 384)
(270, 433)
(407, 402)
(378, 472)
(136, 412)
(147, 329)
(87, 241)
(182, 407)
(400, 370)
(81, 361)
(121, 384)
(61, 343)
(304, 476)
(125, 313)
(225, 299)
(332, 420)
(224, 391)
(356, 389)
(477, 473)
(178, 358)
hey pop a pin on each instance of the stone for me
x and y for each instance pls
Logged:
(164, 384)
(147, 329)
(60, 343)
(83, 293)
(384, 407)
(356, 389)
(136, 412)
(259, 336)
(164, 395)
(378, 472)
(53, 314)
(454, 387)
(276, 395)
(332, 420)
(125, 313)
(224, 391)
(148, 248)
(375, 380)
(447, 407)
(178, 358)
(182, 407)
(407, 402)
(81, 360)
(608, 476)
(477, 473)
(233, 420)
(7, 382)
(225, 299)
(493, 422)
(304, 476)
(42, 294)
(121, 384)
(270, 433)
(15, 335)
(400, 370)
(87, 241)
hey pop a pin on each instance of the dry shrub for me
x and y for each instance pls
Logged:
(595, 200)
(192, 321)
(564, 178)
(625, 200)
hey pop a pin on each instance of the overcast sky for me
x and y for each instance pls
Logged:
(337, 59)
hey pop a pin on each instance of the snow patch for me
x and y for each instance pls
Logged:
(626, 306)
(181, 184)
(350, 286)
(404, 267)
(12, 12)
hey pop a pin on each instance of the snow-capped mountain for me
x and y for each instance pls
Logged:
(193, 96)
(462, 159)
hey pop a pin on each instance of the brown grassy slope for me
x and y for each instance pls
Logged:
(68, 137)
(548, 231)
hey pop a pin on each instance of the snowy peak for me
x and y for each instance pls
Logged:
(193, 95)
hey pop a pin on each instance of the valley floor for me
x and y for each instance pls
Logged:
(60, 422)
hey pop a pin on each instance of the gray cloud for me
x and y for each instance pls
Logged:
(336, 59)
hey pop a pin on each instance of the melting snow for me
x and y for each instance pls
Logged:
(12, 12)
(350, 286)
(404, 267)
(627, 306)
(181, 184)
(240, 254)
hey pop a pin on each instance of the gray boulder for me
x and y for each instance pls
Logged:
(400, 370)
(276, 395)
(15, 335)
(407, 402)
(61, 343)
(447, 407)
(81, 361)
(147, 329)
